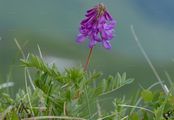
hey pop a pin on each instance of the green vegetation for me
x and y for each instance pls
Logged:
(73, 94)
(79, 95)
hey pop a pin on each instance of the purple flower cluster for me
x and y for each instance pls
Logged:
(98, 26)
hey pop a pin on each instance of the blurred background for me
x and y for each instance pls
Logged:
(53, 25)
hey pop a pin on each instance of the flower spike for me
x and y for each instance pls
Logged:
(98, 27)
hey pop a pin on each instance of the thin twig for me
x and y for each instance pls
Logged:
(124, 117)
(131, 106)
(169, 78)
(40, 52)
(19, 47)
(139, 100)
(25, 73)
(103, 118)
(87, 100)
(88, 59)
(147, 58)
(30, 79)
(108, 92)
(64, 109)
(54, 117)
(92, 116)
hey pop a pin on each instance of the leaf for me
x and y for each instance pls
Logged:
(111, 83)
(134, 116)
(145, 116)
(171, 100)
(37, 63)
(147, 95)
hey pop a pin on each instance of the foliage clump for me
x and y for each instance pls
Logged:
(73, 94)
(76, 94)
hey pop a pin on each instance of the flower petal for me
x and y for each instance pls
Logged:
(92, 43)
(106, 44)
(108, 26)
(109, 34)
(102, 20)
(90, 14)
(90, 10)
(80, 38)
(104, 35)
(107, 16)
(96, 37)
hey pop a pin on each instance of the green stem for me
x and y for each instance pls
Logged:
(88, 59)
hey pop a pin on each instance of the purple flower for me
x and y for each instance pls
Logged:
(98, 26)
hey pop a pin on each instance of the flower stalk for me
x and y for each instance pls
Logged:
(88, 59)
